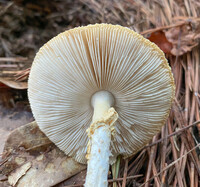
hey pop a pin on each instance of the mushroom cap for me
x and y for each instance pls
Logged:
(77, 63)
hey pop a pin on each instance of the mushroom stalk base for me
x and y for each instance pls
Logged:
(100, 133)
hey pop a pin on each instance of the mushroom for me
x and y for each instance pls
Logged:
(101, 89)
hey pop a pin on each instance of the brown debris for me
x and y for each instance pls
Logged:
(18, 173)
(184, 38)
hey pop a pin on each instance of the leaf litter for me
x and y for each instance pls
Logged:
(33, 158)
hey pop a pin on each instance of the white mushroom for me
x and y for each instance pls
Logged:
(78, 76)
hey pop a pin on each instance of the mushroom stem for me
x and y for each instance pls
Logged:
(100, 133)
(98, 163)
(101, 102)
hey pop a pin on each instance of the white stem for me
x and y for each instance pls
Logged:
(101, 102)
(100, 138)
(98, 163)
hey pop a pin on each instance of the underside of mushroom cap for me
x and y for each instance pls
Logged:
(74, 65)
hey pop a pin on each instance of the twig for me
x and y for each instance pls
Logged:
(192, 174)
(196, 87)
(125, 173)
(163, 28)
(154, 170)
(163, 153)
(163, 177)
(151, 159)
(13, 59)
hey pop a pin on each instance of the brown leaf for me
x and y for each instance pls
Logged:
(49, 165)
(27, 137)
(161, 41)
(4, 82)
(184, 38)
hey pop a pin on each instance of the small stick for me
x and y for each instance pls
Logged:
(164, 135)
(177, 166)
(163, 28)
(183, 163)
(164, 176)
(175, 182)
(8, 66)
(192, 174)
(187, 94)
(172, 173)
(196, 86)
(119, 185)
(151, 158)
(125, 173)
(13, 59)
(154, 170)
(196, 179)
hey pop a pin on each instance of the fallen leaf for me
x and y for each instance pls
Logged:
(184, 38)
(12, 84)
(28, 138)
(78, 179)
(161, 41)
(57, 169)
(49, 165)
